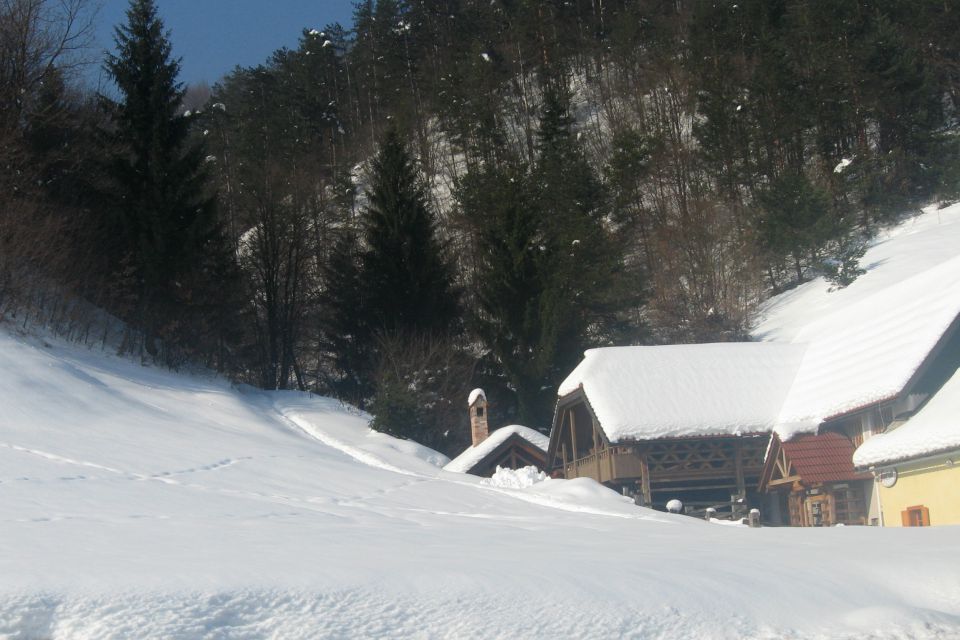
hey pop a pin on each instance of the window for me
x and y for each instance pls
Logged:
(918, 516)
(848, 505)
(479, 412)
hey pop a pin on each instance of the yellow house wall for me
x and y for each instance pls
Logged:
(934, 485)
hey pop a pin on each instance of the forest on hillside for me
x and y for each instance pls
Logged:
(457, 193)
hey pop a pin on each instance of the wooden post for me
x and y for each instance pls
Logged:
(596, 451)
(573, 438)
(645, 480)
(754, 518)
(709, 513)
(738, 462)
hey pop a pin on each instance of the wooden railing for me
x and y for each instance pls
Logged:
(616, 463)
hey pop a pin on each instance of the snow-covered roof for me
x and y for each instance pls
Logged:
(866, 341)
(683, 390)
(823, 352)
(934, 429)
(473, 455)
(868, 352)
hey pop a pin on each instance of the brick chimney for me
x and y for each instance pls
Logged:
(478, 416)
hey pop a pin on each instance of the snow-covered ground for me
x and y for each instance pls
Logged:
(139, 503)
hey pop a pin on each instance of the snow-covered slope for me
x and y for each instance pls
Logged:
(137, 503)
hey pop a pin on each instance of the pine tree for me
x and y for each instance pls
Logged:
(163, 212)
(404, 273)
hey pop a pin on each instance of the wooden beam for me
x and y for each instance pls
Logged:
(610, 457)
(738, 462)
(596, 451)
(787, 480)
(573, 433)
(645, 480)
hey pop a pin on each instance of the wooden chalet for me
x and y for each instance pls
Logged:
(683, 421)
(709, 469)
(814, 482)
(510, 447)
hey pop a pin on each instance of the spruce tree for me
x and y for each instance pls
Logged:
(513, 274)
(404, 273)
(409, 306)
(551, 279)
(346, 333)
(163, 214)
(588, 288)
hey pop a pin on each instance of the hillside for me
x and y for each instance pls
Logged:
(140, 503)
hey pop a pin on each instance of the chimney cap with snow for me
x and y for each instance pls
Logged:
(475, 395)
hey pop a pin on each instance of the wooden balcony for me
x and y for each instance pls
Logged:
(606, 465)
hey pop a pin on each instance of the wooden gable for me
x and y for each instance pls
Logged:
(810, 460)
(576, 431)
(513, 453)
(778, 470)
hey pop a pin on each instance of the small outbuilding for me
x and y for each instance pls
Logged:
(510, 447)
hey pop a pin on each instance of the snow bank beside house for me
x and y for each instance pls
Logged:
(934, 429)
(683, 390)
(515, 478)
(138, 503)
(472, 455)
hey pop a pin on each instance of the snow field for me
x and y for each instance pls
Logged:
(139, 503)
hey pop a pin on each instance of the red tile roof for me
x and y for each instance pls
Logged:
(825, 457)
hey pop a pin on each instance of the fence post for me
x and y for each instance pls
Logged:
(754, 518)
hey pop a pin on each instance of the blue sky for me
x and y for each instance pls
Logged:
(213, 36)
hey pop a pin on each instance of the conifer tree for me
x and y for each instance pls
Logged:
(163, 214)
(404, 273)
(797, 220)
(588, 287)
(551, 280)
(512, 277)
(346, 335)
(409, 306)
